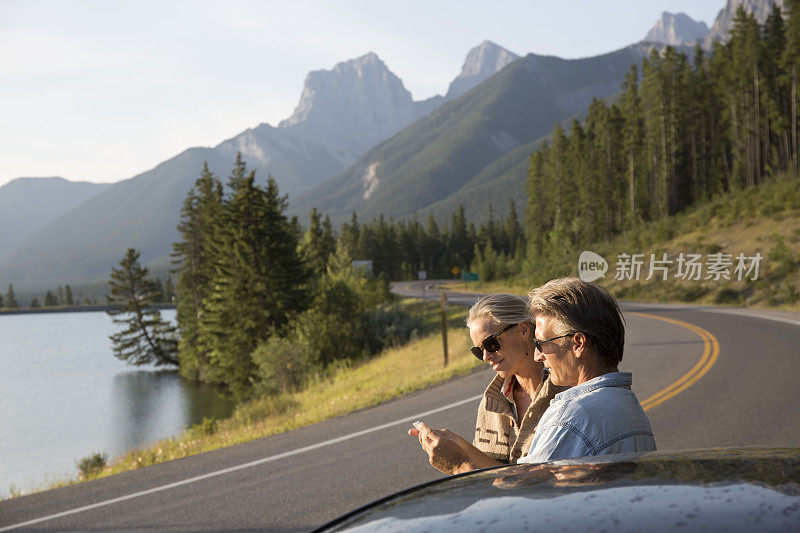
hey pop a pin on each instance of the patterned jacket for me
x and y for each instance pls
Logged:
(497, 433)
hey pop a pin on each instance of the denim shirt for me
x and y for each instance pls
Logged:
(601, 416)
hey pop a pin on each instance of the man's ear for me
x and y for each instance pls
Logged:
(579, 344)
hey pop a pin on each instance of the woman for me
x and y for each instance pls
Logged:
(501, 329)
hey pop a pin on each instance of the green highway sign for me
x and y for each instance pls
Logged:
(469, 276)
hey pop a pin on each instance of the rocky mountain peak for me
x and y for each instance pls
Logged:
(352, 106)
(676, 29)
(358, 86)
(482, 62)
(721, 30)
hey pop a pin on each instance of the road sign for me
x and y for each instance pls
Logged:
(469, 276)
(422, 274)
(364, 265)
(455, 271)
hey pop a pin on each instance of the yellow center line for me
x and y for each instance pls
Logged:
(710, 354)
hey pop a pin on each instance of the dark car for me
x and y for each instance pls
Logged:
(740, 489)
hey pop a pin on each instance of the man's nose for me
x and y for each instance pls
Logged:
(538, 356)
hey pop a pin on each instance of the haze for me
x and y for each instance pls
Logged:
(101, 91)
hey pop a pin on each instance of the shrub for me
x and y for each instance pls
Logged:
(208, 426)
(727, 296)
(390, 325)
(691, 293)
(280, 363)
(781, 258)
(92, 465)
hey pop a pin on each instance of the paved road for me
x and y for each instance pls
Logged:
(741, 368)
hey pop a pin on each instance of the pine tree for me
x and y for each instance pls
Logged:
(317, 243)
(68, 295)
(50, 299)
(147, 338)
(11, 298)
(35, 303)
(199, 227)
(791, 65)
(169, 290)
(258, 282)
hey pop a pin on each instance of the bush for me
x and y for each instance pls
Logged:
(92, 465)
(781, 258)
(691, 293)
(208, 426)
(727, 296)
(280, 363)
(390, 325)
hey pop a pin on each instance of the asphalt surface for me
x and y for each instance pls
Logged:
(745, 395)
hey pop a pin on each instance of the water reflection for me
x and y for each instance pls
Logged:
(63, 396)
(148, 405)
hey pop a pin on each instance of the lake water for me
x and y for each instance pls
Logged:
(63, 396)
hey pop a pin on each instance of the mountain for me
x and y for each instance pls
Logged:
(483, 61)
(350, 108)
(440, 154)
(676, 29)
(721, 30)
(27, 204)
(341, 113)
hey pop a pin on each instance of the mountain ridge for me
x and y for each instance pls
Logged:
(27, 204)
(88, 240)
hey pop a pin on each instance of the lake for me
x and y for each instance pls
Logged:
(63, 396)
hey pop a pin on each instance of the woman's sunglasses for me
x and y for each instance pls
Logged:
(491, 344)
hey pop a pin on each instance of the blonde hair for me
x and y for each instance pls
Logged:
(583, 307)
(502, 309)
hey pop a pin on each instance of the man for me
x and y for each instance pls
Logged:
(579, 337)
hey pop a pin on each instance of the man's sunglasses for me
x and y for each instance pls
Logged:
(538, 343)
(491, 344)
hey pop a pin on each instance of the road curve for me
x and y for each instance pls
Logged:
(746, 394)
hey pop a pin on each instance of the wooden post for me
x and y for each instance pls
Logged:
(444, 327)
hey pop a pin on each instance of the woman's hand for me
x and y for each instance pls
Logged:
(444, 448)
(450, 453)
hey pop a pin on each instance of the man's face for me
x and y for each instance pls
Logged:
(557, 355)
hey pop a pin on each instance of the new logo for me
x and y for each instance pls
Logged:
(591, 266)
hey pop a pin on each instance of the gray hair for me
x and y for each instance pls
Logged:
(502, 309)
(583, 307)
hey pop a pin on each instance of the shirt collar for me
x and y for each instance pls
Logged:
(612, 379)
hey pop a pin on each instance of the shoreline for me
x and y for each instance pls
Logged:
(72, 309)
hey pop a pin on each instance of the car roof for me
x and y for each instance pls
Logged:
(728, 489)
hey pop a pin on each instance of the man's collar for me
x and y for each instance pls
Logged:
(612, 379)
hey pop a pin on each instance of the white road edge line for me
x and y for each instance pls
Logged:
(705, 309)
(239, 467)
(752, 314)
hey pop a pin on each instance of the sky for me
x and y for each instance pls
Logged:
(103, 90)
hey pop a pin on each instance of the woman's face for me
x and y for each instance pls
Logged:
(510, 359)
